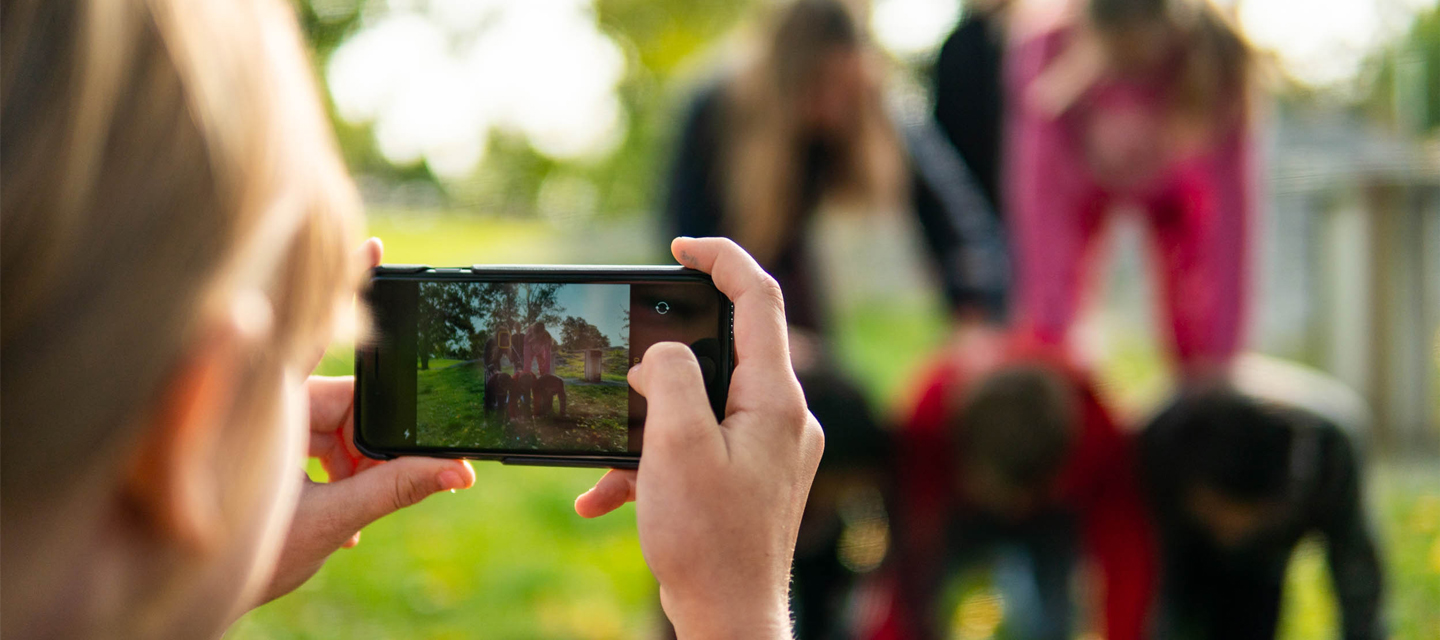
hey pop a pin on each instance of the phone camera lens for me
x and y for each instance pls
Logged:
(662, 307)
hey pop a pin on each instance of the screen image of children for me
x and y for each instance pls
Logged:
(523, 366)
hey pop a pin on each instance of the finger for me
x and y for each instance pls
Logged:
(369, 254)
(677, 407)
(614, 489)
(366, 257)
(338, 463)
(332, 406)
(332, 401)
(339, 509)
(759, 306)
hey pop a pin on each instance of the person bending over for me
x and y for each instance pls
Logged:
(1235, 484)
(174, 207)
(1145, 105)
(1017, 460)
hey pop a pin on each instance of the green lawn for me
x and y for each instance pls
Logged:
(510, 559)
(450, 413)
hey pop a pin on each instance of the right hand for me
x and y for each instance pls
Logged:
(718, 505)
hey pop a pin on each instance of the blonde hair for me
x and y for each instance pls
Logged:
(761, 156)
(161, 156)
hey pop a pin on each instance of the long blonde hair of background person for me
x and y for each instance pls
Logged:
(763, 131)
(165, 164)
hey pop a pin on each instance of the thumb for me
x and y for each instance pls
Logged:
(678, 414)
(339, 509)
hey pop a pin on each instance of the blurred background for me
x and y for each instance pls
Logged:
(545, 131)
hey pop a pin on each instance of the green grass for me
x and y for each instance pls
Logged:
(448, 408)
(458, 239)
(451, 414)
(507, 559)
(882, 346)
(510, 559)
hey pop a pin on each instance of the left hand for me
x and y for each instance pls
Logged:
(329, 515)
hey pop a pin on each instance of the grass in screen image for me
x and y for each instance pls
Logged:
(451, 409)
(526, 366)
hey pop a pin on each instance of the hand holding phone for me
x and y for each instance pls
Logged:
(718, 503)
(329, 515)
(527, 365)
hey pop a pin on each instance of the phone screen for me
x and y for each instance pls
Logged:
(539, 367)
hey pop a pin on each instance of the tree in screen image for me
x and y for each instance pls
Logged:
(444, 319)
(577, 335)
(453, 315)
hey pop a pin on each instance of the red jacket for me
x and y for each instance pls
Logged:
(1097, 483)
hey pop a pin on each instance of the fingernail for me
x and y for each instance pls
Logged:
(450, 480)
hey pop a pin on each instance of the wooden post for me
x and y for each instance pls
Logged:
(594, 361)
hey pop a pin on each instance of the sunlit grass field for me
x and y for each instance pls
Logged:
(510, 559)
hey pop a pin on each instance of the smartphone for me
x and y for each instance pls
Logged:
(527, 364)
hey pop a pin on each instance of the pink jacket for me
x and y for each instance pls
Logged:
(1064, 174)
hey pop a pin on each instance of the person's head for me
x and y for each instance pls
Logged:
(816, 62)
(1235, 468)
(1143, 36)
(813, 82)
(1137, 34)
(1013, 431)
(176, 247)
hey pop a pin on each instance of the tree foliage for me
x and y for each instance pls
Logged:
(660, 37)
(443, 320)
(1405, 82)
(539, 303)
(576, 334)
(456, 318)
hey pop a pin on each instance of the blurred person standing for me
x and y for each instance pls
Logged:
(1145, 104)
(1016, 462)
(1235, 483)
(802, 127)
(968, 98)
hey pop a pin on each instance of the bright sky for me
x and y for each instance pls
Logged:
(602, 305)
(1323, 42)
(437, 77)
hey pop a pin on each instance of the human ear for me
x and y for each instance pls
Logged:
(171, 482)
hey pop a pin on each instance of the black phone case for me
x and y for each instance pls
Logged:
(544, 273)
